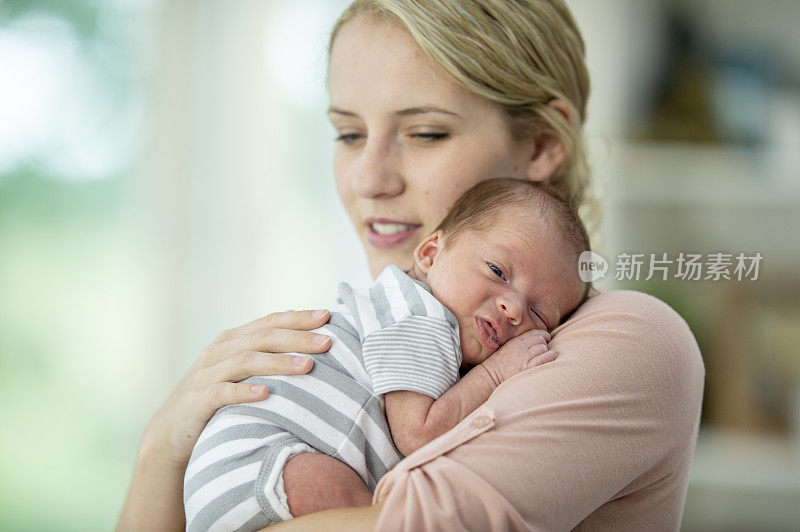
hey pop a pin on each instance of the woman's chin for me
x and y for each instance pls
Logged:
(380, 259)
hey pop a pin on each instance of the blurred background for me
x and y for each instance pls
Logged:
(165, 174)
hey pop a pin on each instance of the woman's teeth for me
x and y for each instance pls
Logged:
(390, 229)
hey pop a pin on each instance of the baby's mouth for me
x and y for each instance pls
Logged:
(487, 334)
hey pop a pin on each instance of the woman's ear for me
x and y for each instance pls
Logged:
(425, 254)
(548, 151)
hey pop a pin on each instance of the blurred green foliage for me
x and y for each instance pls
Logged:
(68, 285)
(82, 15)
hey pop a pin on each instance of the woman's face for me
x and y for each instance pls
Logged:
(410, 141)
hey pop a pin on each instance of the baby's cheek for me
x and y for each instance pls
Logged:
(472, 351)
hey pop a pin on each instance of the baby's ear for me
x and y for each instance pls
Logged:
(426, 252)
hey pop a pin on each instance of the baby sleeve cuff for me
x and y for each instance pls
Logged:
(418, 354)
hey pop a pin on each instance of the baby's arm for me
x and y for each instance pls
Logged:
(415, 419)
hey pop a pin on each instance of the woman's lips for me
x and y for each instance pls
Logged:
(487, 334)
(383, 233)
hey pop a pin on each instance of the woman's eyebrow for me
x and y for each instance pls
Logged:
(336, 110)
(425, 110)
(403, 112)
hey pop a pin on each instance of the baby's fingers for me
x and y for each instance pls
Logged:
(544, 336)
(532, 337)
(544, 358)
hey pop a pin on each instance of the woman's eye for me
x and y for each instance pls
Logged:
(497, 271)
(348, 138)
(431, 137)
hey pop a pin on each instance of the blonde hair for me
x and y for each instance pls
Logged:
(520, 54)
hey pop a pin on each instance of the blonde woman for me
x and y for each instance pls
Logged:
(428, 98)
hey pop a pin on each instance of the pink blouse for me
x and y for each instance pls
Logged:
(600, 439)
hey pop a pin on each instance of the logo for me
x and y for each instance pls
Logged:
(591, 266)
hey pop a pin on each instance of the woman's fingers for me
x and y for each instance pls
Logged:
(277, 341)
(249, 363)
(236, 354)
(228, 393)
(302, 320)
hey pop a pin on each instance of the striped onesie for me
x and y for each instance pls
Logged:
(393, 336)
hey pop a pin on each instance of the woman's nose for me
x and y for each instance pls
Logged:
(511, 309)
(378, 174)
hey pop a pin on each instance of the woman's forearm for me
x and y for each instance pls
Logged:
(345, 519)
(154, 500)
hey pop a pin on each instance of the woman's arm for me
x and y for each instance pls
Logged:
(416, 419)
(154, 500)
(344, 519)
(604, 434)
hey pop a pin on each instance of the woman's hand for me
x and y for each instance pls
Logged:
(236, 354)
(154, 498)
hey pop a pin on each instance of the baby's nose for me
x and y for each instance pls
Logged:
(512, 310)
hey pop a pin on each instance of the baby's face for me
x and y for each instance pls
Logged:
(500, 283)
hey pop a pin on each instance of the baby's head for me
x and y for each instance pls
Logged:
(504, 261)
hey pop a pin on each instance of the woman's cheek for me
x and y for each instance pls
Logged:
(438, 202)
(345, 190)
(449, 192)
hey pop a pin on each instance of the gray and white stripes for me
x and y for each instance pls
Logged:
(410, 342)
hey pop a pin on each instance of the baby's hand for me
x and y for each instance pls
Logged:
(518, 354)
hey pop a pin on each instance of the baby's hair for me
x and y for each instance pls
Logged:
(480, 207)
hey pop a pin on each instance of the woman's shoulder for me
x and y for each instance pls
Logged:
(633, 357)
(632, 329)
(623, 401)
(610, 301)
(629, 310)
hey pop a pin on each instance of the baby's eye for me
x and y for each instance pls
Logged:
(535, 315)
(497, 271)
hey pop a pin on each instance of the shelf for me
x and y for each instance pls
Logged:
(731, 461)
(743, 482)
(698, 175)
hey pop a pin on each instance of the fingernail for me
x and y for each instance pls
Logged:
(318, 313)
(320, 339)
(258, 389)
(299, 361)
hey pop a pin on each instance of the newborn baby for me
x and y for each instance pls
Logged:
(502, 263)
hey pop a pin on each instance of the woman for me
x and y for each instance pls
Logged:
(429, 98)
